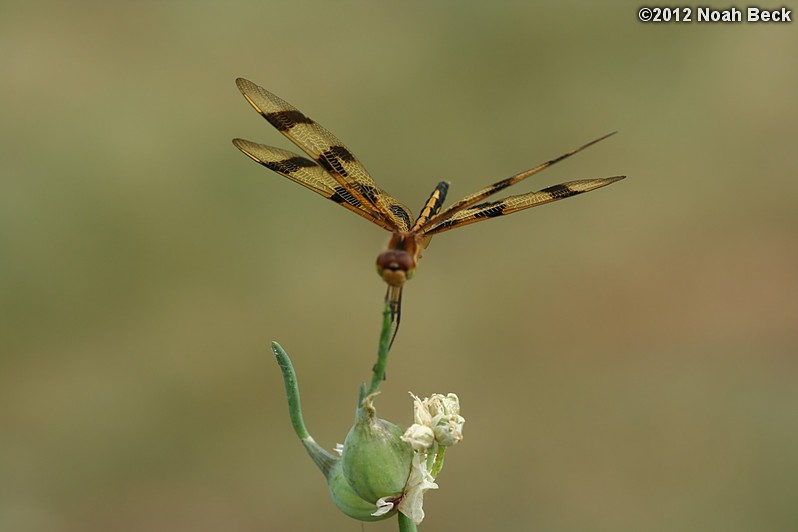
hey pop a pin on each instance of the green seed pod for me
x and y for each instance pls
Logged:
(347, 500)
(376, 462)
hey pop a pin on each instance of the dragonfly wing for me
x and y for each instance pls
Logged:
(511, 204)
(328, 152)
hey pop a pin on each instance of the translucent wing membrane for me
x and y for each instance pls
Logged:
(293, 166)
(511, 204)
(309, 175)
(489, 190)
(330, 154)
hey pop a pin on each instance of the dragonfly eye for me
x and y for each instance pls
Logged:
(395, 266)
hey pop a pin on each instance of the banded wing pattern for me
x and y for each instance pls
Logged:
(308, 174)
(438, 224)
(343, 173)
(511, 204)
(333, 172)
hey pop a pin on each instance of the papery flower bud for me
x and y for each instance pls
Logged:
(376, 462)
(447, 423)
(441, 413)
(440, 405)
(420, 437)
(448, 430)
(421, 413)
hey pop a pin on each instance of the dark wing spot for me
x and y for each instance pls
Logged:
(342, 195)
(289, 166)
(342, 153)
(561, 191)
(332, 158)
(285, 120)
(490, 209)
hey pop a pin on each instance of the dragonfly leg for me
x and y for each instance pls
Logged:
(394, 298)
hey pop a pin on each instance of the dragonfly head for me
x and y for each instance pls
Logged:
(396, 266)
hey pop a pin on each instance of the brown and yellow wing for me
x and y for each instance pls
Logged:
(511, 204)
(479, 195)
(308, 174)
(329, 154)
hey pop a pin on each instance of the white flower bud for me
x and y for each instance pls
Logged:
(441, 413)
(420, 437)
(443, 405)
(421, 414)
(448, 430)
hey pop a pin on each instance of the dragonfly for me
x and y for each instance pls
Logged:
(333, 172)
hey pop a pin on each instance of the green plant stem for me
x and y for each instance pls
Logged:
(438, 465)
(291, 391)
(382, 352)
(406, 524)
(320, 456)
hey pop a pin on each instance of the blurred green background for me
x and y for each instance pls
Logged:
(626, 360)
